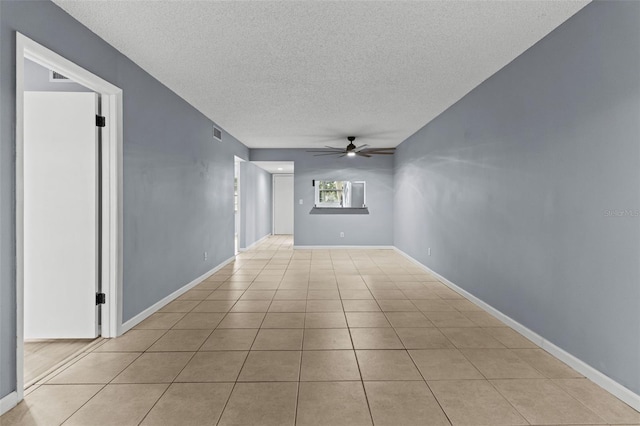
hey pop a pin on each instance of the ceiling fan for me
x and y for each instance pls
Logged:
(352, 150)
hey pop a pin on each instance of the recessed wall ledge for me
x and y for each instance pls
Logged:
(339, 210)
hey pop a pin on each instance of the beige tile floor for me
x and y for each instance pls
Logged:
(318, 337)
(42, 356)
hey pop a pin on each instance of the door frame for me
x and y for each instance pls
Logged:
(237, 216)
(111, 238)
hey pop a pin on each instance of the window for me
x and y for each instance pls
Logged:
(330, 193)
(345, 194)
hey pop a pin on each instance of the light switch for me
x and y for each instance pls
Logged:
(300, 201)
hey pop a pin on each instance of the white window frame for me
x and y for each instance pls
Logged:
(364, 195)
(317, 195)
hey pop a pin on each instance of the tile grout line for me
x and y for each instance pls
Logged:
(364, 389)
(243, 363)
(186, 364)
(412, 360)
(547, 379)
(429, 387)
(82, 405)
(178, 374)
(190, 359)
(304, 326)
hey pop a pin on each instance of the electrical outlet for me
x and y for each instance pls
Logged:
(429, 251)
(205, 255)
(300, 201)
(342, 235)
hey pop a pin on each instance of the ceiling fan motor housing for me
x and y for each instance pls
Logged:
(351, 146)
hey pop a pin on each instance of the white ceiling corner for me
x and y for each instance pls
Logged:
(281, 74)
(283, 167)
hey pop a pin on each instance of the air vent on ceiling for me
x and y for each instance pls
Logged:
(56, 77)
(217, 133)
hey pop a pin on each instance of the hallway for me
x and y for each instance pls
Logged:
(318, 337)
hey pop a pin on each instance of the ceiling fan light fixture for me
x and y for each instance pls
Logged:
(351, 148)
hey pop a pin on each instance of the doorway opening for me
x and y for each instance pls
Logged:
(283, 201)
(283, 206)
(68, 210)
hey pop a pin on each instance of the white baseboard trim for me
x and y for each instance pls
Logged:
(254, 244)
(8, 402)
(343, 247)
(607, 383)
(160, 304)
(602, 380)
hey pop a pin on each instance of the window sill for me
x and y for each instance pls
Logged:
(339, 210)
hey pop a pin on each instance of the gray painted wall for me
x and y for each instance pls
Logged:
(178, 181)
(361, 230)
(256, 204)
(36, 79)
(511, 185)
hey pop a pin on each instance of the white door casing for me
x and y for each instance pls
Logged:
(112, 192)
(237, 218)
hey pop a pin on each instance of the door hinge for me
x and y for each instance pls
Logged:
(101, 298)
(101, 121)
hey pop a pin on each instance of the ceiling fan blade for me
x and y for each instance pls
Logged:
(380, 149)
(380, 153)
(342, 155)
(327, 153)
(363, 155)
(332, 147)
(370, 150)
(362, 146)
(323, 150)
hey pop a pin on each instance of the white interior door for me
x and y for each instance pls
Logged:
(60, 215)
(283, 204)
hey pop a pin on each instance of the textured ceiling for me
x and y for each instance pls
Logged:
(307, 74)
